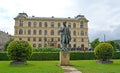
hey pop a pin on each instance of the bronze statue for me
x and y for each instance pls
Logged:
(65, 36)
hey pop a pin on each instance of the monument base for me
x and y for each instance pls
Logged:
(64, 58)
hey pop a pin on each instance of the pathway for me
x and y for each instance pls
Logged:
(70, 69)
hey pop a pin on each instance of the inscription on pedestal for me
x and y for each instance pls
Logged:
(64, 58)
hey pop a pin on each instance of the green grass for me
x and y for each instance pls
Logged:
(90, 66)
(31, 67)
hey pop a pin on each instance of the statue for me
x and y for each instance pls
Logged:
(65, 36)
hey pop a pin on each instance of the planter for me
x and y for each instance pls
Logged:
(104, 62)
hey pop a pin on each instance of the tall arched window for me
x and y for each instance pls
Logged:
(40, 32)
(74, 25)
(82, 33)
(52, 24)
(29, 24)
(29, 31)
(45, 32)
(82, 40)
(20, 31)
(34, 24)
(81, 24)
(40, 24)
(34, 32)
(74, 33)
(45, 24)
(52, 32)
(59, 25)
(21, 22)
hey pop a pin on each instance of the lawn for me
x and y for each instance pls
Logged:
(32, 67)
(90, 66)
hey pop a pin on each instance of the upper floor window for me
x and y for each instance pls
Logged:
(74, 39)
(82, 33)
(74, 32)
(40, 24)
(74, 25)
(29, 24)
(29, 32)
(45, 39)
(69, 26)
(58, 25)
(52, 24)
(28, 39)
(45, 24)
(81, 24)
(34, 32)
(40, 39)
(52, 32)
(34, 24)
(45, 32)
(34, 39)
(21, 22)
(40, 32)
(82, 40)
(58, 39)
(20, 31)
(52, 39)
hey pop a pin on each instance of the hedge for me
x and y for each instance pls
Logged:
(55, 56)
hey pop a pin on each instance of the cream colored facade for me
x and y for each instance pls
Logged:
(43, 31)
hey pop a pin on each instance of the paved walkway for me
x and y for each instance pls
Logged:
(70, 69)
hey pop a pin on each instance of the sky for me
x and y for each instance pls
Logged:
(103, 15)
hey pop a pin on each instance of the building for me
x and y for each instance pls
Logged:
(4, 37)
(43, 31)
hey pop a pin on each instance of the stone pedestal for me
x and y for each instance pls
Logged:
(64, 58)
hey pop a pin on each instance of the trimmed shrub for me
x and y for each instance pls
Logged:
(45, 56)
(3, 56)
(104, 51)
(46, 49)
(19, 50)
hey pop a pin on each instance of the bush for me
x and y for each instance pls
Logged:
(104, 51)
(19, 50)
(46, 49)
(45, 56)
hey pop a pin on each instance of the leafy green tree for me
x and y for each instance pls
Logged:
(94, 43)
(7, 43)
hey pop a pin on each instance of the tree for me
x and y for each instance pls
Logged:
(94, 43)
(7, 43)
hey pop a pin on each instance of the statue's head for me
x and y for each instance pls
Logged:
(64, 23)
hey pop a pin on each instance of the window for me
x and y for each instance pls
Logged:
(40, 39)
(45, 32)
(74, 25)
(82, 40)
(34, 39)
(21, 22)
(20, 38)
(74, 32)
(45, 24)
(20, 31)
(34, 45)
(52, 32)
(29, 32)
(34, 24)
(58, 32)
(74, 39)
(58, 45)
(69, 45)
(69, 26)
(39, 45)
(52, 24)
(74, 45)
(29, 24)
(58, 39)
(82, 33)
(45, 39)
(81, 24)
(45, 45)
(40, 32)
(58, 25)
(28, 39)
(40, 24)
(34, 32)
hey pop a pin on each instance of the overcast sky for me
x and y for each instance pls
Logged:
(103, 15)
